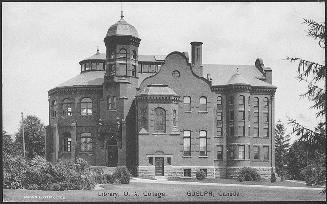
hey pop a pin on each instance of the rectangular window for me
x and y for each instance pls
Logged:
(86, 142)
(266, 117)
(114, 104)
(205, 171)
(231, 130)
(231, 115)
(187, 143)
(93, 66)
(203, 143)
(67, 144)
(145, 68)
(255, 131)
(241, 152)
(203, 103)
(219, 131)
(265, 153)
(256, 117)
(256, 153)
(174, 118)
(241, 115)
(109, 103)
(241, 130)
(133, 70)
(187, 103)
(187, 172)
(69, 111)
(219, 100)
(169, 160)
(151, 160)
(99, 66)
(231, 100)
(87, 66)
(219, 116)
(266, 132)
(249, 115)
(220, 152)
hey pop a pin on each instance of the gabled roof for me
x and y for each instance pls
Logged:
(222, 74)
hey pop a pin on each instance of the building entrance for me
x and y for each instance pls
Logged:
(159, 166)
(112, 152)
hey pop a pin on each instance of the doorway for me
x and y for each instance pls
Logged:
(159, 166)
(112, 152)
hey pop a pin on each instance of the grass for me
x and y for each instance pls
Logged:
(235, 181)
(139, 192)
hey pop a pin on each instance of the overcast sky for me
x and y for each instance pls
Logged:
(42, 44)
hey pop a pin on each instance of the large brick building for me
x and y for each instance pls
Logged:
(163, 115)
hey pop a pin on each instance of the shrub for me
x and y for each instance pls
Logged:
(273, 177)
(109, 178)
(248, 174)
(54, 187)
(200, 175)
(314, 175)
(121, 175)
(33, 187)
(14, 168)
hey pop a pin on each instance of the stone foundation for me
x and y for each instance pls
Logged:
(174, 171)
(265, 172)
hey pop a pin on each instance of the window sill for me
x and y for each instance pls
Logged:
(218, 137)
(159, 133)
(240, 159)
(175, 133)
(113, 110)
(218, 160)
(203, 156)
(187, 111)
(202, 111)
(186, 156)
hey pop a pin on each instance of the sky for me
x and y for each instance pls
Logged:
(42, 44)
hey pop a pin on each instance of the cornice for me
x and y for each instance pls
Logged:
(74, 89)
(158, 99)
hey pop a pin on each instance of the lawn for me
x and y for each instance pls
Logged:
(235, 181)
(165, 192)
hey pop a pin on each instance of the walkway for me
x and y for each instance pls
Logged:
(140, 180)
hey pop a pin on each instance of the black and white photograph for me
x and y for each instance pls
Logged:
(163, 101)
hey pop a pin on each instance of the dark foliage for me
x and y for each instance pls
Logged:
(121, 175)
(248, 174)
(200, 175)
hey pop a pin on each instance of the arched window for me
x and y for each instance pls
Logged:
(203, 103)
(122, 53)
(86, 142)
(67, 142)
(203, 143)
(159, 120)
(122, 70)
(67, 107)
(86, 106)
(174, 118)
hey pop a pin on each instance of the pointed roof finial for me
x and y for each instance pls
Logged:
(98, 50)
(237, 71)
(121, 10)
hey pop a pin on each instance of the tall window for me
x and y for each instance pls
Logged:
(54, 108)
(266, 117)
(187, 143)
(122, 71)
(99, 66)
(241, 130)
(255, 131)
(231, 100)
(67, 107)
(112, 102)
(203, 103)
(86, 142)
(187, 103)
(265, 152)
(256, 104)
(256, 117)
(219, 116)
(86, 106)
(256, 153)
(241, 101)
(219, 100)
(219, 131)
(134, 70)
(203, 143)
(241, 152)
(134, 56)
(266, 103)
(231, 115)
(265, 132)
(174, 118)
(220, 152)
(67, 142)
(159, 120)
(87, 66)
(231, 130)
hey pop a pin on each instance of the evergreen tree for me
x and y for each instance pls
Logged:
(7, 143)
(34, 134)
(281, 147)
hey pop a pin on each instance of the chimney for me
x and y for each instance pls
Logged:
(196, 53)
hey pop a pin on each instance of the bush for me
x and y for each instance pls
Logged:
(273, 177)
(200, 175)
(33, 187)
(121, 175)
(248, 174)
(109, 178)
(14, 169)
(314, 175)
(54, 187)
